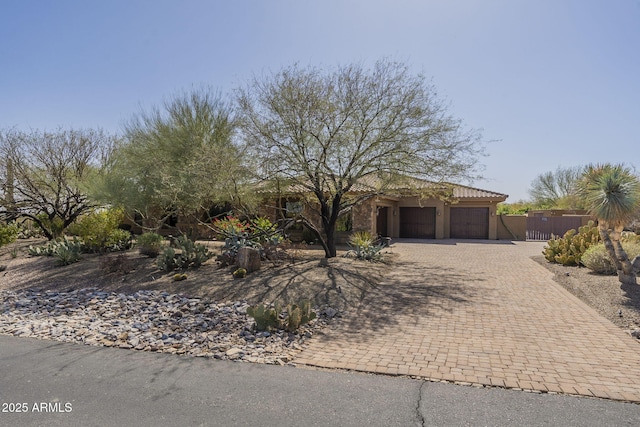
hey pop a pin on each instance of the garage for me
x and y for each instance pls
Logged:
(418, 223)
(469, 223)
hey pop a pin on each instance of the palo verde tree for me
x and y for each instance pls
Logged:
(612, 195)
(322, 132)
(44, 175)
(175, 160)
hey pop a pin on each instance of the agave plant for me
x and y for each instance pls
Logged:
(612, 195)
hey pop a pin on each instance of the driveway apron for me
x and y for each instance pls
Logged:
(481, 313)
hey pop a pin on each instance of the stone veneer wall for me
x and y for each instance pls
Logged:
(362, 217)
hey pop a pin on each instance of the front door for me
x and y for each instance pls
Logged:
(381, 221)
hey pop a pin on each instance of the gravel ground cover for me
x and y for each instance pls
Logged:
(123, 300)
(619, 304)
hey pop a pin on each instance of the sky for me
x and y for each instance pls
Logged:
(551, 83)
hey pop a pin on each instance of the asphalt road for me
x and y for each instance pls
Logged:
(60, 384)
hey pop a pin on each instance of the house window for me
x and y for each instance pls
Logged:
(291, 208)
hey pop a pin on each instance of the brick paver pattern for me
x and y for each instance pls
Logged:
(481, 313)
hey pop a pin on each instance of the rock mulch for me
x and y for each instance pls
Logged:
(150, 321)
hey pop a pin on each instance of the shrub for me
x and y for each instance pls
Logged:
(363, 247)
(361, 238)
(229, 226)
(568, 249)
(259, 233)
(150, 244)
(99, 231)
(8, 233)
(262, 230)
(597, 259)
(240, 273)
(188, 255)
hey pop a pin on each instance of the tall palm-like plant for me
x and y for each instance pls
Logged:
(612, 194)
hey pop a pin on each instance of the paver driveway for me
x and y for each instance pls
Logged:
(482, 313)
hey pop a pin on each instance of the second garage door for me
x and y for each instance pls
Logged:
(469, 223)
(418, 223)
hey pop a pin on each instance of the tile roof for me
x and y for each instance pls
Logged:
(464, 192)
(409, 184)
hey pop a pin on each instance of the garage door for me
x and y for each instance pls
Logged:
(469, 223)
(418, 223)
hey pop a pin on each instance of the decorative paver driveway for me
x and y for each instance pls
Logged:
(482, 313)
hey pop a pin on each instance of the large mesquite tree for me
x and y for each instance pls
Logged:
(321, 132)
(44, 175)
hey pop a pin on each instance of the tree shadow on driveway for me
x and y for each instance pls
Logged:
(408, 293)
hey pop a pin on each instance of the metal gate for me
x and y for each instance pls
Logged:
(545, 227)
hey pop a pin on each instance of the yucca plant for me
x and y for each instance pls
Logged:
(612, 194)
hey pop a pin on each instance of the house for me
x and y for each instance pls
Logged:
(421, 210)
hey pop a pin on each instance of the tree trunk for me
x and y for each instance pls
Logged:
(624, 267)
(331, 251)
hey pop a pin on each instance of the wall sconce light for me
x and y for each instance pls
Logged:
(493, 213)
(438, 212)
(395, 212)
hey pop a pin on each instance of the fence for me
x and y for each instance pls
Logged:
(544, 227)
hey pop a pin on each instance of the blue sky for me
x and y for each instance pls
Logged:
(552, 82)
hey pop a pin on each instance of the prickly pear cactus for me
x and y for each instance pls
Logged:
(266, 318)
(568, 249)
(298, 315)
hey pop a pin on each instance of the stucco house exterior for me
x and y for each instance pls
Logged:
(424, 210)
(469, 214)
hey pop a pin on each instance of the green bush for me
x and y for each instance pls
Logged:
(150, 244)
(188, 255)
(363, 247)
(8, 233)
(99, 231)
(568, 249)
(597, 259)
